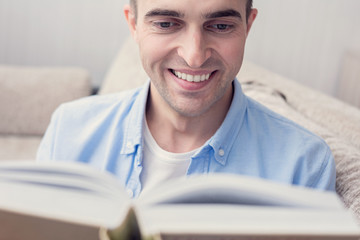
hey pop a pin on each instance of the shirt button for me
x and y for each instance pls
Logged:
(221, 152)
(128, 144)
(130, 193)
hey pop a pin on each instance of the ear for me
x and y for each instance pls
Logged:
(131, 20)
(251, 19)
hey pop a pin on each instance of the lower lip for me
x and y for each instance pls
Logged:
(191, 86)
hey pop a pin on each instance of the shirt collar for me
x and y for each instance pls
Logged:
(135, 124)
(226, 135)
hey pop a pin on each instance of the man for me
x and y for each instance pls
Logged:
(192, 117)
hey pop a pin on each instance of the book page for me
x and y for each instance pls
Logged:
(238, 220)
(218, 205)
(64, 191)
(235, 189)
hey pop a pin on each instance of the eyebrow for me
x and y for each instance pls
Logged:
(224, 13)
(164, 12)
(170, 13)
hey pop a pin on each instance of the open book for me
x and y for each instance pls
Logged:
(73, 201)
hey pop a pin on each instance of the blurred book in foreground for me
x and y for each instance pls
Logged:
(73, 201)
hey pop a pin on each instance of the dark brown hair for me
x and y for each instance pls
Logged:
(249, 5)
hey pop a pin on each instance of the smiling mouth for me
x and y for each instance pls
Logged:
(190, 77)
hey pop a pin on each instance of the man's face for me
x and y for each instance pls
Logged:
(191, 50)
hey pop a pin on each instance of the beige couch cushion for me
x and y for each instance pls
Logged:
(349, 85)
(126, 71)
(14, 147)
(29, 95)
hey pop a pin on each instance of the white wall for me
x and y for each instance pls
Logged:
(305, 40)
(301, 39)
(84, 33)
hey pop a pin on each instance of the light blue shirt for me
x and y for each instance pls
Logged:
(106, 132)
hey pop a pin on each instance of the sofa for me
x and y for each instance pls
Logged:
(336, 122)
(28, 96)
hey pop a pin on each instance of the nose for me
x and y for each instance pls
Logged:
(194, 48)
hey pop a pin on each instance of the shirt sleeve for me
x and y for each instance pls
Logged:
(327, 175)
(45, 151)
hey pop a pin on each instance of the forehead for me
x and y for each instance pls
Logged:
(191, 7)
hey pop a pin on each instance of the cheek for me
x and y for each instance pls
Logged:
(154, 48)
(232, 52)
(153, 56)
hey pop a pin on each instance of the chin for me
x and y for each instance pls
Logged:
(192, 111)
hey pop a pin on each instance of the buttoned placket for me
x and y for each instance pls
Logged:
(134, 143)
(133, 186)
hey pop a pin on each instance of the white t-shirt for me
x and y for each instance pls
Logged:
(160, 165)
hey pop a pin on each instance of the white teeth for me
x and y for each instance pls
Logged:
(189, 78)
(197, 78)
(192, 78)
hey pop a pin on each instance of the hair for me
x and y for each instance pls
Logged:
(249, 4)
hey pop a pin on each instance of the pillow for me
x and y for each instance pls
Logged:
(29, 95)
(126, 72)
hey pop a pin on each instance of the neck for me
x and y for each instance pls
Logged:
(176, 133)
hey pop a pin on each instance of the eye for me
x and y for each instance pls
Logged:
(166, 26)
(220, 27)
